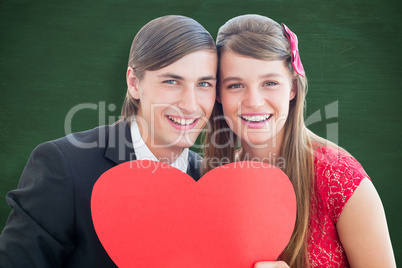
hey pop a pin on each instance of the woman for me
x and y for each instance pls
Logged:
(261, 93)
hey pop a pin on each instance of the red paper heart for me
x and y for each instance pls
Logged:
(148, 214)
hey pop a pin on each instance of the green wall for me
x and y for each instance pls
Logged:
(55, 55)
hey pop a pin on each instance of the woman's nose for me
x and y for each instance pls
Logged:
(254, 98)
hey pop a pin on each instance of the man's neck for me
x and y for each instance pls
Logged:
(166, 154)
(162, 152)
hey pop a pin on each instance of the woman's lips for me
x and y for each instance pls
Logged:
(255, 120)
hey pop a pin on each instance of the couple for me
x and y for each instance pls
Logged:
(172, 87)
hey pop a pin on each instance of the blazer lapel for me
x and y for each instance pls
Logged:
(194, 165)
(120, 149)
(120, 145)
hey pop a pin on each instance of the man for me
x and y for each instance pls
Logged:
(171, 81)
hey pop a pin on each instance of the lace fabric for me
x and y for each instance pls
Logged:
(337, 175)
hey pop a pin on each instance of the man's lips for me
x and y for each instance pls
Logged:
(183, 122)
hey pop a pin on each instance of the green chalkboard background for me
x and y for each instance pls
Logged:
(55, 55)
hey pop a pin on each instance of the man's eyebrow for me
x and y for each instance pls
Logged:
(171, 75)
(210, 77)
(178, 77)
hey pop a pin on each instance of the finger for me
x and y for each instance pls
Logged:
(271, 264)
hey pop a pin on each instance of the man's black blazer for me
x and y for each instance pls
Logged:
(50, 224)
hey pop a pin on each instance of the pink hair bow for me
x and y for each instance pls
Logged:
(296, 62)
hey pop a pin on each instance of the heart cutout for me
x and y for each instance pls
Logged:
(149, 214)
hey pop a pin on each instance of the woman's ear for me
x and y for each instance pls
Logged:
(132, 83)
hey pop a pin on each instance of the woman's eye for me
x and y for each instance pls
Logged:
(204, 84)
(270, 83)
(235, 86)
(171, 82)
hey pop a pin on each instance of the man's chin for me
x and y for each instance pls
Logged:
(175, 144)
(184, 145)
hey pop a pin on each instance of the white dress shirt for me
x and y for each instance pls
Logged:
(142, 152)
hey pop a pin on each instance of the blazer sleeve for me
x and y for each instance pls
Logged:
(40, 229)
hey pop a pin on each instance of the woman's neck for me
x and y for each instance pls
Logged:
(267, 153)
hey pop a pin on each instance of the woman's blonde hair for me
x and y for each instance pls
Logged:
(262, 38)
(160, 43)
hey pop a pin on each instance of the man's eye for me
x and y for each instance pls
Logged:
(171, 82)
(204, 84)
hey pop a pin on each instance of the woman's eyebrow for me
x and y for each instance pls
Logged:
(269, 75)
(263, 76)
(231, 78)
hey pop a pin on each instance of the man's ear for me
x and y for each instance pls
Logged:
(132, 83)
(293, 91)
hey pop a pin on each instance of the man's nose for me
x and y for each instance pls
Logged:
(188, 100)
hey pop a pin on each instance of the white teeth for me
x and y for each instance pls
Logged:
(181, 121)
(256, 118)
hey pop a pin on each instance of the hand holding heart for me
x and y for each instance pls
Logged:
(148, 214)
(271, 264)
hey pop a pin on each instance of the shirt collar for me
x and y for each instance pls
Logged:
(142, 152)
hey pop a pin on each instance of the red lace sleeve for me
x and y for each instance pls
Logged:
(337, 176)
